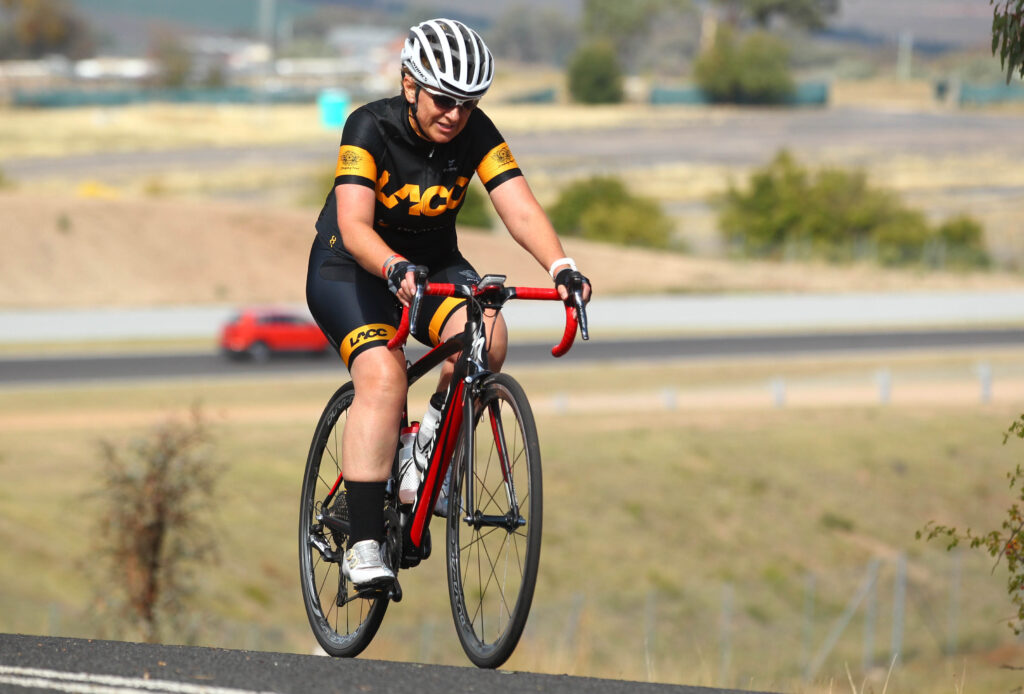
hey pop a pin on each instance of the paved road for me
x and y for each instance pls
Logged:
(30, 664)
(724, 136)
(638, 315)
(67, 369)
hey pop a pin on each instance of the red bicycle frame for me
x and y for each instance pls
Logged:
(458, 407)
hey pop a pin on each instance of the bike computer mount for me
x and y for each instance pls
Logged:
(491, 281)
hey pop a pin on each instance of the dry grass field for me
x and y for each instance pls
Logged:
(712, 537)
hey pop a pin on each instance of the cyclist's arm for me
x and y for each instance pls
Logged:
(529, 225)
(355, 221)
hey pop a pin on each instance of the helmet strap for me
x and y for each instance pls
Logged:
(413, 109)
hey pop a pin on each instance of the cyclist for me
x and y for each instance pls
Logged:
(404, 166)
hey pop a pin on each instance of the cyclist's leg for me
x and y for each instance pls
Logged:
(370, 438)
(357, 313)
(497, 342)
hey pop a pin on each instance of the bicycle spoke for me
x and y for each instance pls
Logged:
(346, 629)
(494, 546)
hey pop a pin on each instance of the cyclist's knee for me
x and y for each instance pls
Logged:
(497, 343)
(380, 374)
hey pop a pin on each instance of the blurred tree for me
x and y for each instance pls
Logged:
(811, 14)
(37, 28)
(172, 58)
(1008, 35)
(625, 25)
(752, 71)
(595, 76)
(532, 36)
(808, 13)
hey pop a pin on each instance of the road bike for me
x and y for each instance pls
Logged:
(485, 448)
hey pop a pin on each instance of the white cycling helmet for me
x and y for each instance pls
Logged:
(448, 56)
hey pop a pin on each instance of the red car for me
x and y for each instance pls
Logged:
(259, 332)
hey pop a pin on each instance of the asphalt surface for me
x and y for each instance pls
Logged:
(722, 136)
(68, 369)
(30, 664)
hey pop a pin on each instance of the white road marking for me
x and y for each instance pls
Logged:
(88, 683)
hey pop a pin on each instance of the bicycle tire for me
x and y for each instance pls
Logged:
(492, 568)
(346, 630)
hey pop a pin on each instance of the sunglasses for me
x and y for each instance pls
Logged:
(443, 102)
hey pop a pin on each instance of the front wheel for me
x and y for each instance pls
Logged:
(343, 623)
(494, 523)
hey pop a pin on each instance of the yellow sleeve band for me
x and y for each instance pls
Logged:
(496, 162)
(355, 161)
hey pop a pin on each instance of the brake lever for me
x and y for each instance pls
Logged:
(581, 312)
(414, 306)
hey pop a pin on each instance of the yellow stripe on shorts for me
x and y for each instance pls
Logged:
(446, 309)
(364, 334)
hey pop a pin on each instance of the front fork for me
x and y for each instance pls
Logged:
(473, 517)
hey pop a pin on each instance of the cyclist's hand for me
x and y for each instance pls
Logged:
(401, 281)
(567, 280)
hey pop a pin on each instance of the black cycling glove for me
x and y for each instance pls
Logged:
(571, 279)
(396, 273)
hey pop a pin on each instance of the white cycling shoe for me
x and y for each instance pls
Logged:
(364, 564)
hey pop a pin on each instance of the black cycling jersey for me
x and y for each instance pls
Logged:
(419, 184)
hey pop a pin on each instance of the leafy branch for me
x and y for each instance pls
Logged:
(1005, 544)
(1008, 35)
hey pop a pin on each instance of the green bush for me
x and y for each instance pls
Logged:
(602, 209)
(834, 214)
(961, 242)
(574, 200)
(752, 71)
(595, 76)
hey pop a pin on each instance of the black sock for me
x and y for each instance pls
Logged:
(365, 511)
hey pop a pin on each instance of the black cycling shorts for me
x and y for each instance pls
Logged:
(356, 311)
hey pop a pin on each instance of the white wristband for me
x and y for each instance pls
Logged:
(561, 261)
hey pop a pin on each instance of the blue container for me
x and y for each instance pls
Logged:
(333, 108)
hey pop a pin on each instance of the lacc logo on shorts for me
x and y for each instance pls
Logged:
(364, 335)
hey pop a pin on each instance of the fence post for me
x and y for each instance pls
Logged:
(840, 626)
(899, 599)
(953, 615)
(884, 380)
(725, 634)
(870, 613)
(668, 397)
(808, 630)
(426, 640)
(572, 626)
(985, 376)
(779, 391)
(649, 625)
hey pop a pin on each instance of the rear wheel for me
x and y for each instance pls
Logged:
(343, 623)
(494, 523)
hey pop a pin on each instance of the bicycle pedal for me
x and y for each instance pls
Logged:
(394, 593)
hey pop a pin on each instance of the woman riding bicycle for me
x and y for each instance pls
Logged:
(403, 169)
